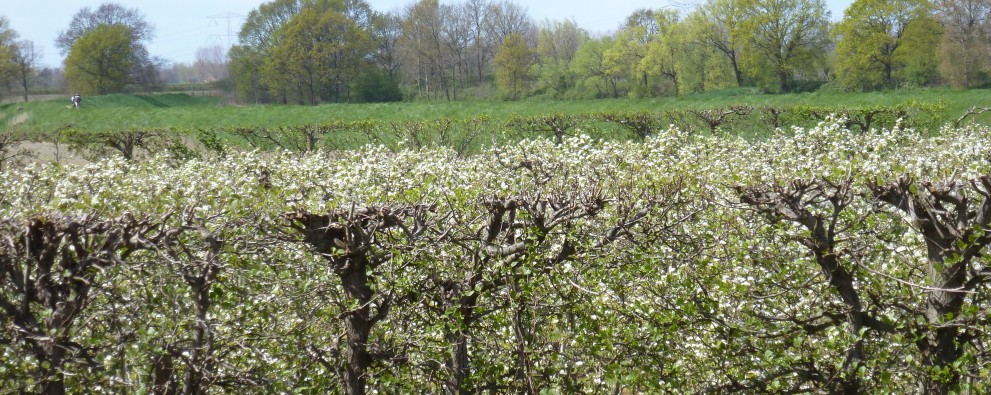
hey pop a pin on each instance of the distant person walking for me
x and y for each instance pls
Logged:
(76, 100)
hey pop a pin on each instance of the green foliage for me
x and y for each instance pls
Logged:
(513, 60)
(557, 47)
(882, 44)
(289, 52)
(716, 24)
(779, 45)
(245, 69)
(101, 61)
(376, 86)
(911, 114)
(621, 61)
(781, 39)
(210, 141)
(302, 51)
(317, 54)
(593, 80)
(919, 54)
(701, 67)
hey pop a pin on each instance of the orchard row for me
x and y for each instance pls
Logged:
(819, 258)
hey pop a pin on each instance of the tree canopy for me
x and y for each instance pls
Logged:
(101, 61)
(87, 20)
(782, 39)
(513, 66)
(304, 51)
(128, 24)
(556, 48)
(884, 43)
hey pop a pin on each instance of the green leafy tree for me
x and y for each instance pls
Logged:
(245, 66)
(87, 20)
(303, 51)
(884, 43)
(919, 54)
(782, 39)
(319, 53)
(717, 24)
(666, 53)
(703, 66)
(425, 49)
(513, 66)
(387, 29)
(593, 79)
(259, 34)
(101, 61)
(557, 46)
(620, 61)
(623, 59)
(145, 68)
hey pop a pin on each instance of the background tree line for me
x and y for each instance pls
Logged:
(486, 49)
(313, 51)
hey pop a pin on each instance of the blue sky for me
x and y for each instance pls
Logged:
(183, 26)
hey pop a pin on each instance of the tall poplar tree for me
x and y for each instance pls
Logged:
(513, 66)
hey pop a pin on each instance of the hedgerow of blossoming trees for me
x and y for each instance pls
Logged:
(469, 136)
(818, 259)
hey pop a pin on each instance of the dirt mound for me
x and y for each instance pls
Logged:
(49, 152)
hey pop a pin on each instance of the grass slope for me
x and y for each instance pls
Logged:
(123, 112)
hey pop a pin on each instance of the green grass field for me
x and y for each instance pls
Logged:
(124, 112)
